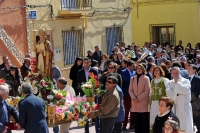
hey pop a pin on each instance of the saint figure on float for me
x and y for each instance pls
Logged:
(44, 54)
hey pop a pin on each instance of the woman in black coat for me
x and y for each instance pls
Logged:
(112, 68)
(73, 73)
(14, 79)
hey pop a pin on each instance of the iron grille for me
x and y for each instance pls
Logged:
(72, 45)
(75, 4)
(113, 35)
(161, 33)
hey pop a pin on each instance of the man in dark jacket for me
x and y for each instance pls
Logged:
(25, 67)
(5, 58)
(97, 55)
(82, 77)
(126, 76)
(195, 92)
(179, 46)
(32, 112)
(6, 110)
(4, 71)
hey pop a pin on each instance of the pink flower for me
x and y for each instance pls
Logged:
(58, 110)
(76, 117)
(47, 83)
(86, 105)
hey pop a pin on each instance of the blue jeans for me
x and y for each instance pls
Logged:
(56, 129)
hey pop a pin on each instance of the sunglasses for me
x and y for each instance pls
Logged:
(109, 82)
(12, 69)
(110, 67)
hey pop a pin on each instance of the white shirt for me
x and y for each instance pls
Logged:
(166, 81)
(161, 115)
(87, 72)
(191, 77)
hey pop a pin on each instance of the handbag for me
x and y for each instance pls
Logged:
(197, 102)
(11, 126)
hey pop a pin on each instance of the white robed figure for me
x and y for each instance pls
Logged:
(179, 91)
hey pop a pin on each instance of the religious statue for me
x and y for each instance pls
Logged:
(44, 54)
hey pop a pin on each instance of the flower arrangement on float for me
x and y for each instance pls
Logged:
(65, 108)
(92, 87)
(78, 110)
(14, 100)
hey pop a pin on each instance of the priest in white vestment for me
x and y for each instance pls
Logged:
(179, 91)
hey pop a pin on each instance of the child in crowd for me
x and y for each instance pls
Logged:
(171, 126)
(165, 106)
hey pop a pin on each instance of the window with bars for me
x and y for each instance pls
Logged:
(113, 35)
(72, 45)
(75, 4)
(161, 33)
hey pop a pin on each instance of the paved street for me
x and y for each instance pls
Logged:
(74, 129)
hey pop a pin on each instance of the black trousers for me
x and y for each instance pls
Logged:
(117, 127)
(141, 122)
(197, 122)
(107, 124)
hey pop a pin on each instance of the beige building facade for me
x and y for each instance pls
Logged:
(75, 26)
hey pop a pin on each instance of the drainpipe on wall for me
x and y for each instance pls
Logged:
(84, 28)
(85, 22)
(136, 8)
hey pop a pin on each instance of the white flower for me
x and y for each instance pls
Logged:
(35, 90)
(50, 97)
(25, 79)
(55, 92)
(20, 89)
(34, 82)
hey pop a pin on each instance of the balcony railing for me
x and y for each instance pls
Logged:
(75, 4)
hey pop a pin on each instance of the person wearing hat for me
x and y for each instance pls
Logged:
(97, 55)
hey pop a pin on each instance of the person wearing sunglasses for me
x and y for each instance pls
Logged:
(112, 67)
(110, 106)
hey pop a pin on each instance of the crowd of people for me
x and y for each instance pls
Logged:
(154, 88)
(159, 86)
